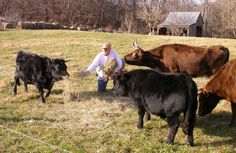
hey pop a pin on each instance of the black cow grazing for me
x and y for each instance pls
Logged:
(162, 94)
(38, 70)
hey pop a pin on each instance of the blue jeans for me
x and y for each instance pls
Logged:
(102, 84)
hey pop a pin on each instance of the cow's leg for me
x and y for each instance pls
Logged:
(173, 124)
(25, 86)
(16, 82)
(233, 119)
(188, 127)
(141, 113)
(49, 90)
(40, 89)
(148, 116)
(48, 93)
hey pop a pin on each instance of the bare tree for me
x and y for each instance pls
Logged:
(229, 17)
(128, 21)
(151, 12)
(4, 7)
(129, 15)
(219, 18)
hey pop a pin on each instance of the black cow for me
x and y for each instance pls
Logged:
(38, 70)
(162, 94)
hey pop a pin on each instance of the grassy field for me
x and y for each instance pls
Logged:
(96, 122)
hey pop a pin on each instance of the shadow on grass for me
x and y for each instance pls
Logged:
(34, 95)
(108, 96)
(25, 119)
(217, 124)
(57, 91)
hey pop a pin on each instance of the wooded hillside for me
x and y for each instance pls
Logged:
(133, 16)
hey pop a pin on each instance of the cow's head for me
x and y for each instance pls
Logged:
(59, 69)
(120, 84)
(136, 57)
(207, 102)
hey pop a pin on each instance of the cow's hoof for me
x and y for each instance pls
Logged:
(190, 141)
(43, 101)
(169, 142)
(140, 126)
(190, 144)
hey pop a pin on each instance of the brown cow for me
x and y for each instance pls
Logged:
(196, 61)
(222, 85)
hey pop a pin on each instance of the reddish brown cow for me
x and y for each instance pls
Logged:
(196, 61)
(222, 85)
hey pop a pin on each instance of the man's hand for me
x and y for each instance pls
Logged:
(83, 73)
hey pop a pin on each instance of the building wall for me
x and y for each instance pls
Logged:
(192, 30)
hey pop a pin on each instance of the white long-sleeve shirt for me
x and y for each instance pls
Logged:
(101, 59)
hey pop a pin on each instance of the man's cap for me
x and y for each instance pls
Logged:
(106, 45)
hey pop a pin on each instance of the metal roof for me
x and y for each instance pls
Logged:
(181, 18)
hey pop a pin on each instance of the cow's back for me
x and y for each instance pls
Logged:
(149, 79)
(30, 66)
(223, 83)
(180, 57)
(23, 57)
(195, 60)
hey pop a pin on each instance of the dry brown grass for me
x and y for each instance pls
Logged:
(77, 118)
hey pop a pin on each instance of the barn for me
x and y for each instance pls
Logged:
(182, 24)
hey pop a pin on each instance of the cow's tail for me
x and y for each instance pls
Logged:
(19, 57)
(16, 77)
(190, 113)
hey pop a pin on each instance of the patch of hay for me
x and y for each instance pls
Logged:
(74, 96)
(89, 115)
(70, 90)
(109, 67)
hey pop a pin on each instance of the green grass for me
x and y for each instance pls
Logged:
(98, 122)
